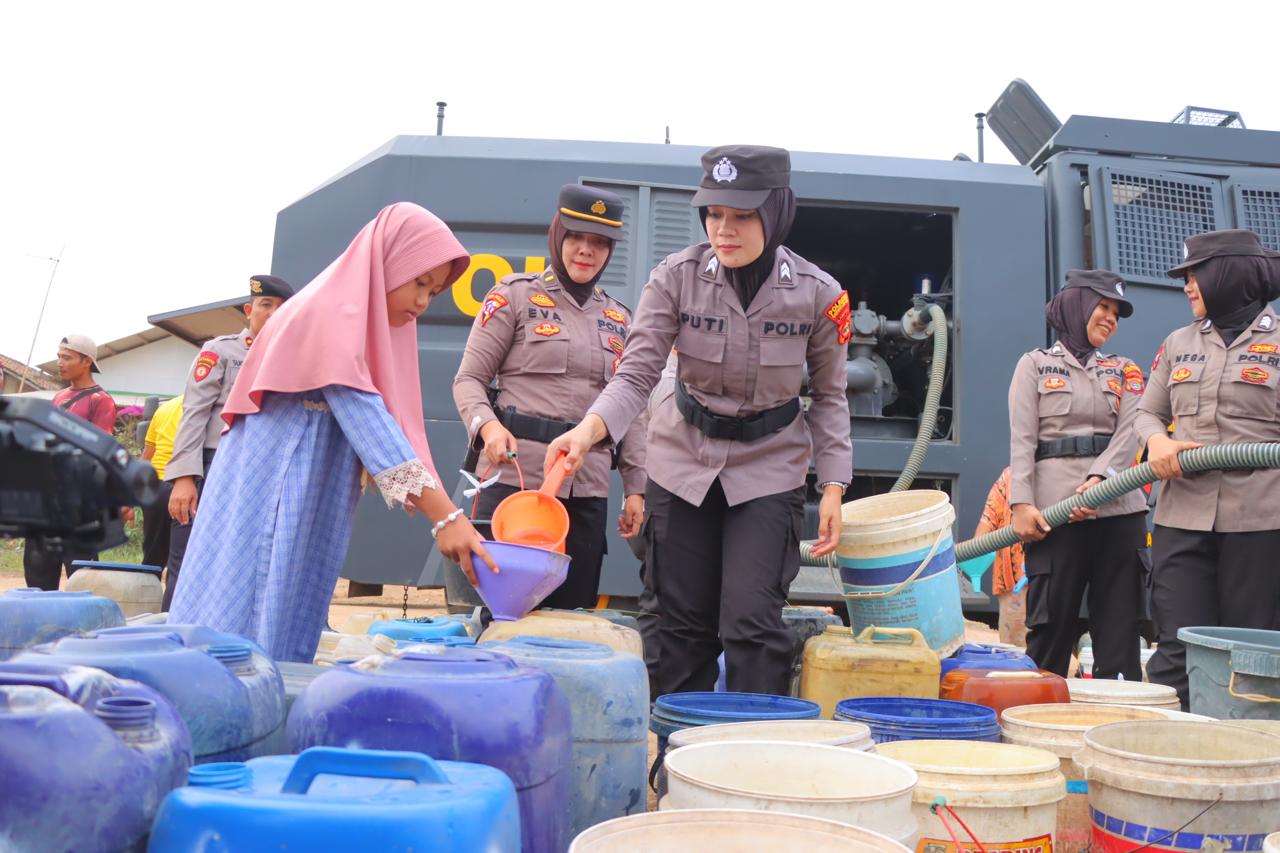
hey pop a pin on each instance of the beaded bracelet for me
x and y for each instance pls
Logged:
(453, 516)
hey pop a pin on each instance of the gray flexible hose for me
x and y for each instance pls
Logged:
(932, 399)
(924, 433)
(1210, 457)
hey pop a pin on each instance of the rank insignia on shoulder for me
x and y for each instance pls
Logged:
(838, 313)
(492, 303)
(1115, 386)
(615, 344)
(546, 329)
(1265, 322)
(543, 300)
(205, 362)
(549, 275)
(1264, 347)
(1054, 383)
(1181, 375)
(1256, 375)
(615, 315)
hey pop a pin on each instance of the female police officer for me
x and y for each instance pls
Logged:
(1071, 414)
(729, 452)
(553, 340)
(1216, 539)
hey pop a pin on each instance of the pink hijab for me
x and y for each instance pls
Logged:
(335, 330)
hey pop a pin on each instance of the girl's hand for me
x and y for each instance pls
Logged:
(829, 521)
(575, 445)
(1162, 453)
(632, 518)
(1029, 524)
(459, 541)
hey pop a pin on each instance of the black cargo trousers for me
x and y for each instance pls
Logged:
(721, 574)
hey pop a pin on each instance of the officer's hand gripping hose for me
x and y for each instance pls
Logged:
(1212, 457)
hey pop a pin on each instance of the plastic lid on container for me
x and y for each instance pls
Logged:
(889, 709)
(117, 567)
(701, 707)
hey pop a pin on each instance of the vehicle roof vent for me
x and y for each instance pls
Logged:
(1208, 117)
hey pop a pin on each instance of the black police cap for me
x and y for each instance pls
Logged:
(591, 210)
(269, 285)
(1199, 248)
(741, 176)
(1104, 283)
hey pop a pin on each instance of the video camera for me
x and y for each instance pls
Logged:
(62, 480)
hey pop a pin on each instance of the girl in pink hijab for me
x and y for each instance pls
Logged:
(330, 390)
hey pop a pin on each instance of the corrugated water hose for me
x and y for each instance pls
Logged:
(924, 432)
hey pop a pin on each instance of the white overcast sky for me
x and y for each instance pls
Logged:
(157, 141)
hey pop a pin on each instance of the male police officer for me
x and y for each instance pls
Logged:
(208, 385)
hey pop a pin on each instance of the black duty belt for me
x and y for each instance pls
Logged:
(750, 428)
(544, 430)
(1076, 445)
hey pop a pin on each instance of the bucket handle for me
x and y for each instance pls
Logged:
(910, 636)
(864, 596)
(1250, 697)
(377, 764)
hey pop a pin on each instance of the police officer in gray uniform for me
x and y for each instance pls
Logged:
(1217, 533)
(1071, 415)
(208, 386)
(729, 451)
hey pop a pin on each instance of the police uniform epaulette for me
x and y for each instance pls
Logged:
(230, 337)
(517, 278)
(690, 254)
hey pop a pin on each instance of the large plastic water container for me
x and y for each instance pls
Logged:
(893, 719)
(730, 831)
(981, 656)
(877, 662)
(841, 733)
(422, 627)
(608, 695)
(29, 617)
(1105, 691)
(675, 711)
(459, 705)
(1181, 786)
(1007, 795)
(1233, 673)
(135, 588)
(86, 759)
(898, 566)
(858, 788)
(568, 625)
(227, 690)
(1000, 689)
(339, 799)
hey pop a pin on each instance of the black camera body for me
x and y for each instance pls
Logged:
(62, 480)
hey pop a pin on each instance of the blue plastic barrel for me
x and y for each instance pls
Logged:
(339, 799)
(227, 690)
(609, 700)
(86, 759)
(456, 704)
(426, 626)
(676, 711)
(892, 718)
(29, 617)
(978, 656)
(448, 642)
(1233, 673)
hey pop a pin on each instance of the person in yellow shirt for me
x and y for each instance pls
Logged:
(157, 448)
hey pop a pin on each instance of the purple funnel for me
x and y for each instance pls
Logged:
(527, 575)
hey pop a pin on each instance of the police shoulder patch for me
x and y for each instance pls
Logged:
(494, 302)
(206, 361)
(546, 329)
(1256, 375)
(1114, 385)
(543, 300)
(838, 313)
(615, 315)
(1054, 383)
(1182, 374)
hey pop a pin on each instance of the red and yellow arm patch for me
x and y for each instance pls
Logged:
(1269, 348)
(206, 361)
(838, 313)
(1256, 375)
(492, 304)
(542, 300)
(1134, 382)
(615, 315)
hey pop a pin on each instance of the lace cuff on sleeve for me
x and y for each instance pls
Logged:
(407, 478)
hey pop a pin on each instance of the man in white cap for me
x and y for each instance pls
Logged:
(84, 398)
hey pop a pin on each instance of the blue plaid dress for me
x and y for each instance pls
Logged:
(273, 524)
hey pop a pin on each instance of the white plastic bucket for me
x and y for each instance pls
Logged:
(729, 831)
(1271, 844)
(1105, 691)
(841, 733)
(1007, 795)
(136, 589)
(857, 788)
(1060, 729)
(1180, 786)
(897, 566)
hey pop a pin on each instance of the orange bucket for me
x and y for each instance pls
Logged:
(535, 518)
